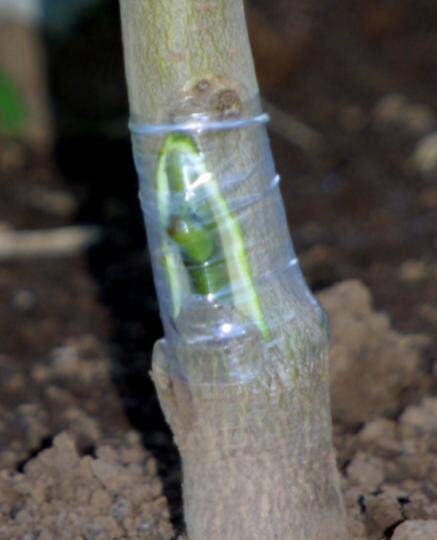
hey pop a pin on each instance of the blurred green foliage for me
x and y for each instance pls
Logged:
(13, 111)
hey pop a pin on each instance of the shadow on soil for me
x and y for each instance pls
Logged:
(93, 154)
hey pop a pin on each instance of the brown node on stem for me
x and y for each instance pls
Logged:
(227, 103)
(202, 86)
(212, 96)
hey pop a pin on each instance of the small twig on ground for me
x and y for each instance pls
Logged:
(295, 131)
(64, 241)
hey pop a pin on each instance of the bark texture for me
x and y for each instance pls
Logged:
(251, 419)
(172, 46)
(257, 455)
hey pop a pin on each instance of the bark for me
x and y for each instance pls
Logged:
(171, 46)
(252, 419)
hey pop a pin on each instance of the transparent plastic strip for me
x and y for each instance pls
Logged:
(224, 265)
(199, 124)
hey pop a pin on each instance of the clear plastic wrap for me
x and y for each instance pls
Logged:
(223, 261)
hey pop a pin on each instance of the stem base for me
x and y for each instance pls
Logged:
(257, 463)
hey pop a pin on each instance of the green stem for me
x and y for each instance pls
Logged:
(211, 246)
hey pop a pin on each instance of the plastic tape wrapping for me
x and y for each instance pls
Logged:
(221, 252)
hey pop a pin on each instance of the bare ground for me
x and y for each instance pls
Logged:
(76, 332)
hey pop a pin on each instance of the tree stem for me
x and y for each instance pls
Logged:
(171, 47)
(251, 418)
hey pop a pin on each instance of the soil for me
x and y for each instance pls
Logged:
(115, 493)
(84, 450)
